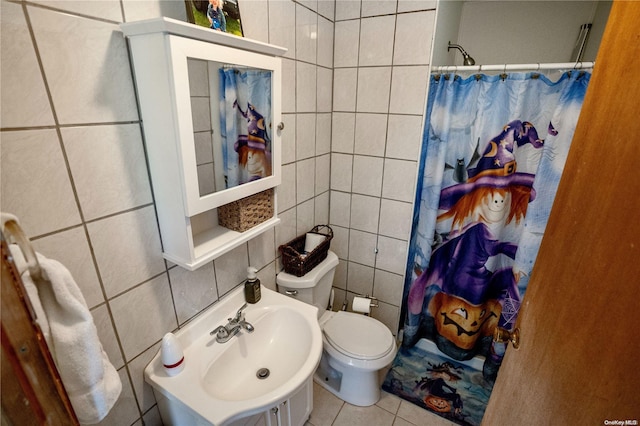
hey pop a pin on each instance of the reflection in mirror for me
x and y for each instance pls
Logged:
(232, 124)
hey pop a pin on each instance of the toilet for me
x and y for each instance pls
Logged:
(355, 347)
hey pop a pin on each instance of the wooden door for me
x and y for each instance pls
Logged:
(579, 356)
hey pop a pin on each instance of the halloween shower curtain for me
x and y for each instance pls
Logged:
(494, 149)
(246, 122)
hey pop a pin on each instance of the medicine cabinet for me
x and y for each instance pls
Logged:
(210, 104)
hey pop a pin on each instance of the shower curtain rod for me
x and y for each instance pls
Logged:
(513, 67)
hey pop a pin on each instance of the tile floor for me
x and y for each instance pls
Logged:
(328, 410)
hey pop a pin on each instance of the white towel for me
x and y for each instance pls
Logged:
(91, 381)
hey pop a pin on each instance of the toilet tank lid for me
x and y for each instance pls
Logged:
(312, 277)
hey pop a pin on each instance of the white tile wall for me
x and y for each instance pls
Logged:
(127, 249)
(287, 189)
(342, 139)
(306, 92)
(321, 208)
(306, 34)
(305, 180)
(365, 213)
(370, 134)
(325, 42)
(408, 88)
(347, 9)
(362, 248)
(18, 54)
(141, 315)
(35, 181)
(254, 24)
(340, 208)
(347, 38)
(192, 290)
(288, 90)
(344, 89)
(101, 90)
(323, 174)
(367, 175)
(106, 188)
(323, 133)
(341, 172)
(231, 269)
(305, 216)
(403, 132)
(373, 89)
(378, 7)
(411, 27)
(73, 171)
(398, 178)
(324, 89)
(282, 28)
(376, 40)
(289, 139)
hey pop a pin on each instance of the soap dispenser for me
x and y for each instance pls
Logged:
(252, 286)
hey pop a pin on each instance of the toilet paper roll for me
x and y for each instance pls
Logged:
(312, 241)
(361, 304)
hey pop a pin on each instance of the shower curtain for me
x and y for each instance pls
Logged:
(245, 119)
(494, 149)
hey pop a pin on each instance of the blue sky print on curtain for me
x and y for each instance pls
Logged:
(246, 123)
(493, 153)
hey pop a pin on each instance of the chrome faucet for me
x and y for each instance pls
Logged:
(225, 332)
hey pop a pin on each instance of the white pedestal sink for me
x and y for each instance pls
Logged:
(251, 374)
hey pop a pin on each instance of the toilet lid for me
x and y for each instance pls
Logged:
(358, 335)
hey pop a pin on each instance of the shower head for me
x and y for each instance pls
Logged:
(466, 59)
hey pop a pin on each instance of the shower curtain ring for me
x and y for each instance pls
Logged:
(503, 76)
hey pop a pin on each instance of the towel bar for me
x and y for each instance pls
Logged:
(14, 233)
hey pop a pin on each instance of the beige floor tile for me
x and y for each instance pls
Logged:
(350, 415)
(325, 406)
(419, 416)
(399, 421)
(389, 402)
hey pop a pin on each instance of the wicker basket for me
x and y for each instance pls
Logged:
(247, 212)
(294, 259)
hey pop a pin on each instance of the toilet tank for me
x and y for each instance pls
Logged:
(314, 287)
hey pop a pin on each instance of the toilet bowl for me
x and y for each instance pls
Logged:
(355, 347)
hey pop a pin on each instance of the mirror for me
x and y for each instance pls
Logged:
(232, 124)
(228, 122)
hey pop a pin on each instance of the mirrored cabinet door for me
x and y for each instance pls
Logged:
(210, 106)
(233, 95)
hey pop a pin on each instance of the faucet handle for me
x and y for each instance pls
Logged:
(219, 331)
(240, 315)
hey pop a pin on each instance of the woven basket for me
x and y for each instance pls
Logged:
(247, 212)
(294, 259)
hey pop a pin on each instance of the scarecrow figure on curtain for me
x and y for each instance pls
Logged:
(254, 148)
(459, 299)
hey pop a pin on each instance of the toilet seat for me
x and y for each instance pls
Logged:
(358, 336)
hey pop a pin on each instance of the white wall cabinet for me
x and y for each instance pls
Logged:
(163, 51)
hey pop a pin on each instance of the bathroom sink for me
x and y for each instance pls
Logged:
(257, 363)
(223, 382)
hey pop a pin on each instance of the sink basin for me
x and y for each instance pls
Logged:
(257, 363)
(222, 382)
